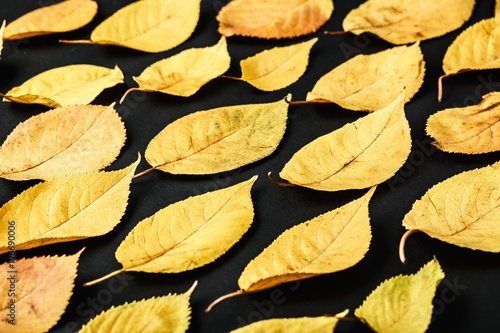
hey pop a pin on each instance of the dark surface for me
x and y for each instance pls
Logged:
(471, 306)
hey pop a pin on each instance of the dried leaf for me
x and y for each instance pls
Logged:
(220, 139)
(361, 154)
(403, 22)
(67, 209)
(62, 142)
(2, 29)
(41, 292)
(273, 18)
(402, 303)
(462, 210)
(370, 82)
(67, 85)
(473, 129)
(185, 73)
(61, 17)
(497, 8)
(165, 314)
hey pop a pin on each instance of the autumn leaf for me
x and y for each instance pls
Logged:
(188, 234)
(67, 208)
(273, 18)
(185, 73)
(67, 85)
(403, 22)
(276, 68)
(328, 243)
(472, 129)
(358, 155)
(61, 142)
(220, 139)
(165, 314)
(61, 17)
(497, 8)
(371, 82)
(402, 303)
(42, 288)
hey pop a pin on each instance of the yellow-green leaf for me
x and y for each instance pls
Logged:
(165, 314)
(62, 142)
(402, 303)
(361, 154)
(403, 22)
(220, 139)
(370, 82)
(67, 85)
(67, 208)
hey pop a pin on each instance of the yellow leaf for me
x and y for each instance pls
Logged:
(67, 209)
(469, 130)
(462, 210)
(403, 22)
(360, 154)
(35, 292)
(67, 85)
(61, 142)
(61, 17)
(497, 8)
(2, 28)
(165, 314)
(185, 73)
(402, 303)
(220, 139)
(273, 18)
(370, 82)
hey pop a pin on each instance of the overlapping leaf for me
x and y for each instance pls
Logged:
(360, 154)
(220, 139)
(403, 22)
(402, 303)
(273, 18)
(61, 17)
(40, 288)
(61, 142)
(67, 209)
(370, 82)
(67, 85)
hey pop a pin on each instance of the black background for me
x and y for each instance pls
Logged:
(466, 301)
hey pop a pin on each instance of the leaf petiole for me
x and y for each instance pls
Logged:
(90, 283)
(402, 243)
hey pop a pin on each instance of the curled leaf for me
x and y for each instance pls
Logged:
(273, 18)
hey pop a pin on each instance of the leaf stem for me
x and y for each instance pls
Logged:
(126, 94)
(314, 101)
(84, 41)
(143, 173)
(402, 243)
(232, 77)
(90, 283)
(224, 297)
(277, 182)
(440, 86)
(336, 32)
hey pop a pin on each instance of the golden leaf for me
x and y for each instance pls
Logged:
(185, 73)
(165, 314)
(219, 139)
(402, 303)
(403, 22)
(67, 85)
(188, 234)
(62, 142)
(273, 18)
(361, 154)
(2, 28)
(370, 82)
(497, 8)
(67, 209)
(61, 17)
(469, 130)
(36, 292)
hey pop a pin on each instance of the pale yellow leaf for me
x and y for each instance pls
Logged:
(278, 67)
(67, 208)
(220, 139)
(62, 142)
(165, 314)
(360, 154)
(473, 129)
(41, 292)
(67, 85)
(273, 18)
(403, 22)
(61, 17)
(150, 26)
(370, 82)
(402, 303)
